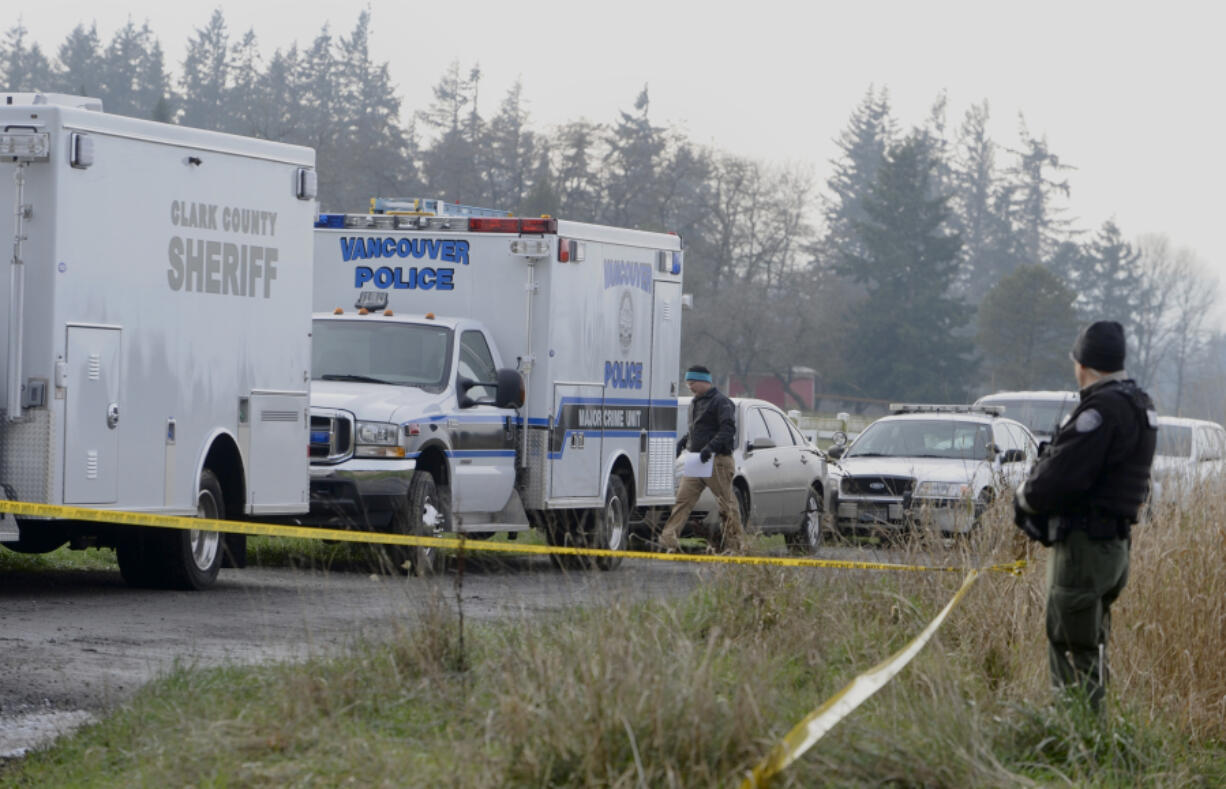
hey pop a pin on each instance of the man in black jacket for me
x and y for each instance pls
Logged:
(1082, 498)
(712, 435)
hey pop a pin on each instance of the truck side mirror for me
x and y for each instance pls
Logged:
(835, 452)
(508, 390)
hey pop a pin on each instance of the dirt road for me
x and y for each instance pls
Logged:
(74, 643)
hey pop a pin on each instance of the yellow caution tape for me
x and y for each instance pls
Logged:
(384, 538)
(840, 705)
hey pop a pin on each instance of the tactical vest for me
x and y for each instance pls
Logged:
(1123, 486)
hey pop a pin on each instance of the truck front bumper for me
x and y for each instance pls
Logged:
(358, 492)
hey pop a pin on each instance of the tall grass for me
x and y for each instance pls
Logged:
(695, 693)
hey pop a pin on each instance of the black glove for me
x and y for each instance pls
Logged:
(704, 455)
(1033, 526)
(681, 445)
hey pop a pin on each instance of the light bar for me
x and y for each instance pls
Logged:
(930, 408)
(511, 225)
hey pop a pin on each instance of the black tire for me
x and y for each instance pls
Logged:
(177, 558)
(612, 524)
(807, 539)
(742, 505)
(562, 529)
(421, 514)
(607, 528)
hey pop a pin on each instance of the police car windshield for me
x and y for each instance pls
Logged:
(923, 438)
(406, 354)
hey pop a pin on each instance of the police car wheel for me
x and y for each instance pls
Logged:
(808, 536)
(742, 505)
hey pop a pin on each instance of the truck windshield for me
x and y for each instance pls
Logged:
(406, 354)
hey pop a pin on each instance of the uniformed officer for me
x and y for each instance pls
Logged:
(1082, 498)
(712, 434)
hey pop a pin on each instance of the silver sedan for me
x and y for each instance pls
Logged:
(779, 477)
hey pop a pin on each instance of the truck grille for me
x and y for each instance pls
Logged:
(877, 486)
(331, 436)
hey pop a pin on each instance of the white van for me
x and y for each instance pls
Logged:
(1042, 412)
(1189, 452)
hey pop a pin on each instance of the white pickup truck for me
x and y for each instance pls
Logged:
(475, 372)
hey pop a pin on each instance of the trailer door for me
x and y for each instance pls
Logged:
(92, 416)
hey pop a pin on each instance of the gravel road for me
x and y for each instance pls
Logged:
(74, 643)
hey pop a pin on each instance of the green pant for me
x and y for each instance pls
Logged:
(1084, 577)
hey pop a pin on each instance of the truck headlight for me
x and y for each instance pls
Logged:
(942, 490)
(378, 440)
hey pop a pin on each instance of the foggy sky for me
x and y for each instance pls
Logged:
(1127, 92)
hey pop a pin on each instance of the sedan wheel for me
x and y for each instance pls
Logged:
(808, 537)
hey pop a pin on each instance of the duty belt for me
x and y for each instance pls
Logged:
(1098, 525)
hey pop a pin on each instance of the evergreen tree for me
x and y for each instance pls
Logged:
(79, 63)
(579, 181)
(275, 112)
(1038, 185)
(1025, 324)
(1110, 277)
(133, 74)
(542, 197)
(863, 146)
(372, 151)
(245, 94)
(632, 160)
(24, 67)
(450, 165)
(510, 147)
(320, 107)
(903, 336)
(206, 76)
(985, 234)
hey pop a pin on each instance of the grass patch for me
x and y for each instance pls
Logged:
(59, 559)
(694, 692)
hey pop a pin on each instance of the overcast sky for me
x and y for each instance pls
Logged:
(1130, 93)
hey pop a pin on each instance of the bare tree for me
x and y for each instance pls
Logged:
(1151, 321)
(1193, 296)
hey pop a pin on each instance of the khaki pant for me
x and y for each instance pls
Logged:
(720, 483)
(1084, 577)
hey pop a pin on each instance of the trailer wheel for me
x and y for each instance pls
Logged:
(177, 558)
(421, 514)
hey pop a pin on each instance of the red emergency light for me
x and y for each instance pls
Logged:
(498, 224)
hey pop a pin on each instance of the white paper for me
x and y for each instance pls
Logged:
(694, 467)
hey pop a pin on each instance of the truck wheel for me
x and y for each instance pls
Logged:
(808, 538)
(177, 558)
(611, 525)
(423, 516)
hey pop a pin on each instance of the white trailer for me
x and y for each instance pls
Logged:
(572, 333)
(156, 354)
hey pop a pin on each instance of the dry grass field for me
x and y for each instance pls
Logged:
(694, 693)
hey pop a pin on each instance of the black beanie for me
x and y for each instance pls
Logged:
(1100, 346)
